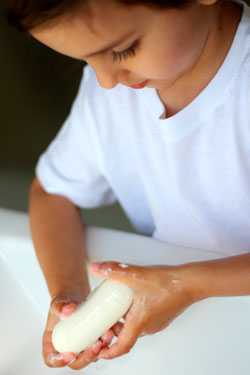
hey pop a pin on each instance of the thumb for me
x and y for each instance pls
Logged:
(116, 271)
(63, 307)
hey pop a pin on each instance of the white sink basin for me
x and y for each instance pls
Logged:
(210, 337)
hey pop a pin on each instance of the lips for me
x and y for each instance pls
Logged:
(139, 85)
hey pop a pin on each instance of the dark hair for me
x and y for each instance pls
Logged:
(27, 14)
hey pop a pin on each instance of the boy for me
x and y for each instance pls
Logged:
(161, 124)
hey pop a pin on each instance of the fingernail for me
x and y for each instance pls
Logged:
(68, 308)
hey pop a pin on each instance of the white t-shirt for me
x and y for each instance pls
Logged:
(185, 179)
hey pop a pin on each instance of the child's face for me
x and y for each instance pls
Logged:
(167, 42)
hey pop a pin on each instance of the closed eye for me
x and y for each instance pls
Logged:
(129, 52)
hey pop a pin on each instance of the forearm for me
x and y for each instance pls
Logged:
(221, 277)
(58, 237)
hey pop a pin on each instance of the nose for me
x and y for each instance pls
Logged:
(107, 79)
(107, 83)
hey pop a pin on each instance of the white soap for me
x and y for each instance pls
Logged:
(104, 307)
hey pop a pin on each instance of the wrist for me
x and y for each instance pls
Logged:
(77, 290)
(194, 280)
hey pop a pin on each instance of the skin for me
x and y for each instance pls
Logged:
(163, 292)
(60, 308)
(176, 47)
(160, 294)
(179, 52)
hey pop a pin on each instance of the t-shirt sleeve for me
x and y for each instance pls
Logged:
(72, 165)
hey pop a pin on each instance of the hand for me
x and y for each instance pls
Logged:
(60, 308)
(160, 294)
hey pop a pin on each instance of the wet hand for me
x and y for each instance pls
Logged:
(161, 293)
(60, 308)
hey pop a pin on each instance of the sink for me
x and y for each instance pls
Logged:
(210, 337)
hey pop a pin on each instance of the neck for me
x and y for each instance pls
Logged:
(217, 45)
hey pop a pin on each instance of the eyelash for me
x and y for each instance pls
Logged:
(129, 52)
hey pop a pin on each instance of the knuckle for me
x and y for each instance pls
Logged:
(78, 367)
(83, 363)
(74, 366)
(54, 360)
(49, 364)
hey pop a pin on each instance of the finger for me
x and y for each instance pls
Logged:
(59, 309)
(63, 307)
(115, 271)
(110, 266)
(110, 334)
(52, 320)
(126, 340)
(117, 328)
(55, 313)
(59, 360)
(67, 310)
(107, 337)
(86, 357)
(51, 357)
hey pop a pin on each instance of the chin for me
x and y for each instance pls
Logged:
(151, 84)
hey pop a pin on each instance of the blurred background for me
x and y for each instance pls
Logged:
(38, 86)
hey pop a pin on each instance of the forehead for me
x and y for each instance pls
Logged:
(92, 25)
(102, 16)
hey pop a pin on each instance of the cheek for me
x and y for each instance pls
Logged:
(188, 49)
(168, 61)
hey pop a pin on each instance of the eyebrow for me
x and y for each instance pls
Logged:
(109, 46)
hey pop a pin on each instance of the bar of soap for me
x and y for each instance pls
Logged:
(104, 307)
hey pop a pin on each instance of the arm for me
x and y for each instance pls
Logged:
(221, 277)
(164, 292)
(58, 236)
